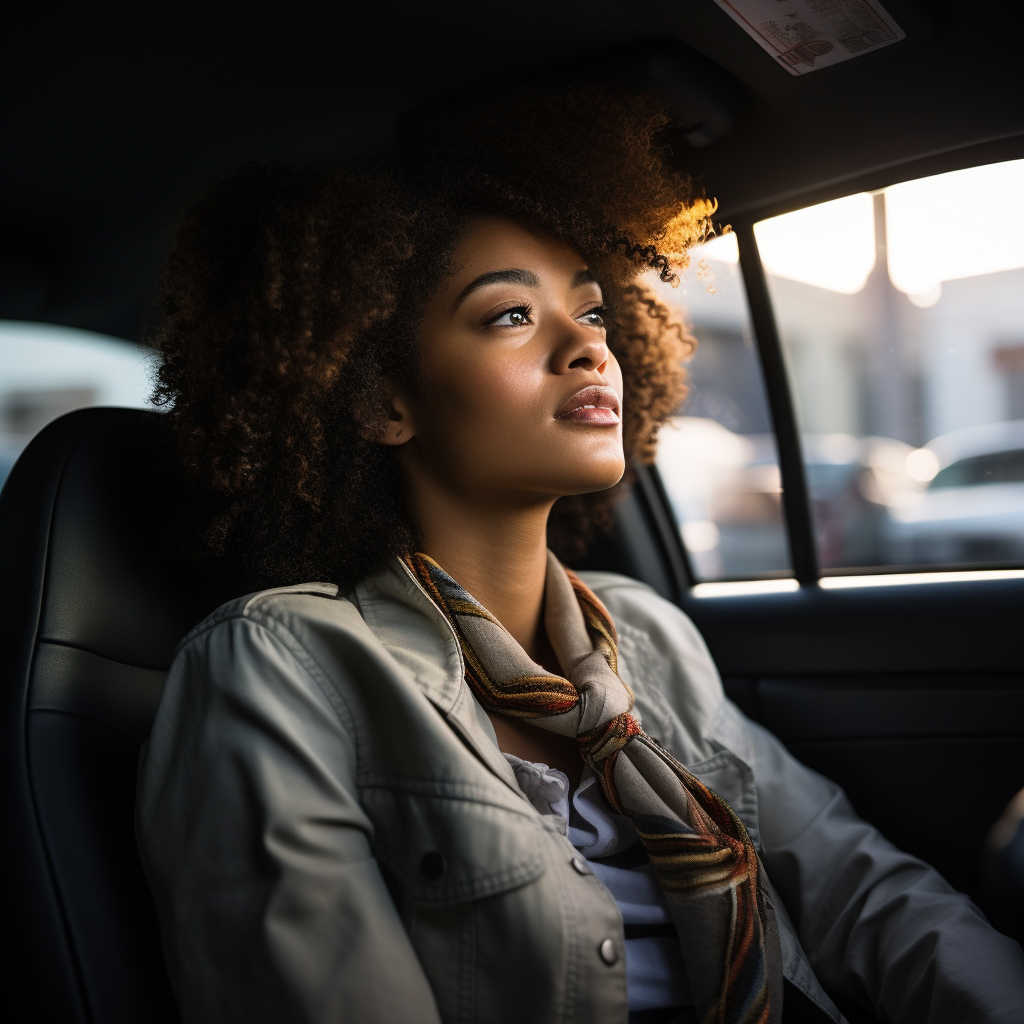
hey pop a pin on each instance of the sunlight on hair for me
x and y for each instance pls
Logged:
(692, 224)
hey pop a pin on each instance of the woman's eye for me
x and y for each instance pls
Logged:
(518, 316)
(594, 317)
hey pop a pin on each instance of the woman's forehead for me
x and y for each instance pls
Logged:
(495, 246)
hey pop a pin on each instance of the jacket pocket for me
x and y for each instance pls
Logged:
(732, 779)
(446, 848)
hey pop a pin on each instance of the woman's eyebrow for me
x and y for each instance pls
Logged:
(527, 278)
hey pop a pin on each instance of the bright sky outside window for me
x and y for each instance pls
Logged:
(722, 247)
(928, 240)
(831, 245)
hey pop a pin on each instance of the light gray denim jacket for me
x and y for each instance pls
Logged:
(332, 834)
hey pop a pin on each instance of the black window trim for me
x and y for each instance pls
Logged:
(796, 504)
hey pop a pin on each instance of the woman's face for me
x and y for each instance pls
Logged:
(520, 398)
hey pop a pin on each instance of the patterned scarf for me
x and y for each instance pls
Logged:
(699, 848)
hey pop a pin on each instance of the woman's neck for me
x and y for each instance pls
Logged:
(498, 554)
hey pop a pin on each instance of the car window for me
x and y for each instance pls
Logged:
(717, 456)
(46, 371)
(902, 326)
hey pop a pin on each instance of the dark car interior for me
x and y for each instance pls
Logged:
(910, 696)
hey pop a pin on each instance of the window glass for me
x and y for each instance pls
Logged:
(717, 455)
(902, 322)
(46, 371)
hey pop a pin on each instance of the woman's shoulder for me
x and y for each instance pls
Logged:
(296, 615)
(286, 654)
(637, 607)
(384, 631)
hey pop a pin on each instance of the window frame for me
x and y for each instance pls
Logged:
(796, 504)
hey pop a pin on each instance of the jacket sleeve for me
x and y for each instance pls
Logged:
(271, 904)
(878, 925)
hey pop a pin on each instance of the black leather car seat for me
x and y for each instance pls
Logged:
(90, 613)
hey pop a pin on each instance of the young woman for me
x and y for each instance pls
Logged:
(457, 782)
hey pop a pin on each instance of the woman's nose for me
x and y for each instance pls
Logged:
(581, 348)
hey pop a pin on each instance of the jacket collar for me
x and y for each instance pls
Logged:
(420, 638)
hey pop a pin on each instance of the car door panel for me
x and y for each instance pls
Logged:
(910, 697)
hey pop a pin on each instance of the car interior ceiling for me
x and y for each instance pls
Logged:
(911, 697)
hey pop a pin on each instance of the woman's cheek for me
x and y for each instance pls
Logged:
(503, 393)
(470, 408)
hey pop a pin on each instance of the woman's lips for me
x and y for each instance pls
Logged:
(594, 404)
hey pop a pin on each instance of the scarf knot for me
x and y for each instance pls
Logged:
(600, 745)
(699, 848)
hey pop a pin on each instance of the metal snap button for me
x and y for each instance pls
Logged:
(609, 954)
(581, 866)
(433, 866)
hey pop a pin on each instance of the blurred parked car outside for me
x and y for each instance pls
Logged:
(972, 506)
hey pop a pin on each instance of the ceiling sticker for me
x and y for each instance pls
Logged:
(805, 35)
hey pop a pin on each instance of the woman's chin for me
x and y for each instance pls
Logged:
(593, 478)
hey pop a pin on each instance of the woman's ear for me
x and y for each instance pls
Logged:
(392, 424)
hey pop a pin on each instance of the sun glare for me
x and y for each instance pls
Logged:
(831, 245)
(928, 240)
(721, 247)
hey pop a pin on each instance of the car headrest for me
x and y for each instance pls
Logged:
(91, 609)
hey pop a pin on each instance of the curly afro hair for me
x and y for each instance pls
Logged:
(291, 295)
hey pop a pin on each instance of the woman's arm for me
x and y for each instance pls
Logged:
(271, 903)
(877, 924)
